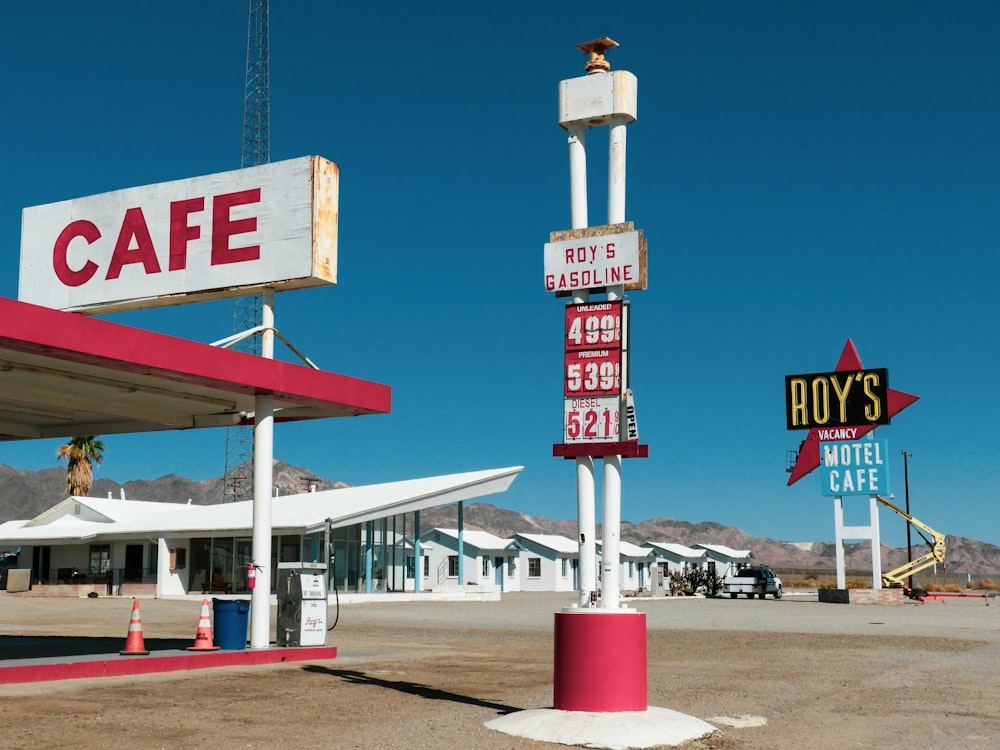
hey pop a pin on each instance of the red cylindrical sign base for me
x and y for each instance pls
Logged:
(600, 661)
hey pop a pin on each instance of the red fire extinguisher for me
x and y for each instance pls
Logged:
(251, 575)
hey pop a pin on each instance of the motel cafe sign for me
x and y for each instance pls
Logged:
(854, 468)
(209, 237)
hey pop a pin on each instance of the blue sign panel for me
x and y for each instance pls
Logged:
(859, 467)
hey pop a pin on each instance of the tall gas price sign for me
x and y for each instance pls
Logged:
(600, 645)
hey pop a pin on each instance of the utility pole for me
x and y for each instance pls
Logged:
(906, 485)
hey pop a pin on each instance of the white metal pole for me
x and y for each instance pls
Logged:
(586, 520)
(838, 522)
(876, 545)
(578, 177)
(610, 547)
(585, 494)
(612, 502)
(263, 453)
(616, 170)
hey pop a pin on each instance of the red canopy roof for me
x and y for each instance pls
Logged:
(63, 374)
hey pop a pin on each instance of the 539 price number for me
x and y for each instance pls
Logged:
(592, 420)
(593, 373)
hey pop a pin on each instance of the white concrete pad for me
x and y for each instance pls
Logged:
(614, 731)
(740, 722)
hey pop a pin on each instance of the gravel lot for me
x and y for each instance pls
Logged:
(429, 674)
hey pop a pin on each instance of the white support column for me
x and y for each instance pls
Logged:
(586, 528)
(585, 483)
(616, 170)
(263, 475)
(260, 596)
(418, 563)
(610, 546)
(838, 524)
(876, 544)
(578, 176)
(461, 543)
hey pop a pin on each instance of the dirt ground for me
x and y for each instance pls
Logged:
(429, 674)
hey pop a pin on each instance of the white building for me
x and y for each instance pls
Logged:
(485, 561)
(633, 566)
(133, 547)
(721, 557)
(677, 558)
(547, 562)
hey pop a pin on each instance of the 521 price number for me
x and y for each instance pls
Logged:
(592, 420)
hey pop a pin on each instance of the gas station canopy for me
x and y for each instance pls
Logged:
(63, 375)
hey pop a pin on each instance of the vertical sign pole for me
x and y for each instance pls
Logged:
(585, 494)
(876, 544)
(610, 547)
(838, 522)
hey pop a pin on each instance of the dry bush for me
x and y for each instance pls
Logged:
(806, 583)
(988, 584)
(953, 588)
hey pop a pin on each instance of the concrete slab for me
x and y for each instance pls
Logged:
(654, 727)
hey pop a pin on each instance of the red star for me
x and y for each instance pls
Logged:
(896, 401)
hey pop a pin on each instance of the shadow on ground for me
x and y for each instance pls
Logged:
(354, 677)
(40, 647)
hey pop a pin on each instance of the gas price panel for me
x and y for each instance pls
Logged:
(595, 371)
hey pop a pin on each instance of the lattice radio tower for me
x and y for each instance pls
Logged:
(238, 479)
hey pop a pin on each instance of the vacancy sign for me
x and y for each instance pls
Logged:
(210, 237)
(594, 262)
(854, 468)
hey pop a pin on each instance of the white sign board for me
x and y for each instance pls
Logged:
(592, 262)
(208, 237)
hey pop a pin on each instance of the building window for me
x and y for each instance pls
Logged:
(564, 567)
(100, 558)
(534, 567)
(453, 566)
(427, 566)
(486, 565)
(410, 566)
(512, 567)
(631, 569)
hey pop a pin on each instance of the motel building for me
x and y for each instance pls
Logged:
(115, 546)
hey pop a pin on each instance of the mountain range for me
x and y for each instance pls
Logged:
(25, 494)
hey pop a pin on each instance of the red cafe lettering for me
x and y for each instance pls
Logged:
(135, 243)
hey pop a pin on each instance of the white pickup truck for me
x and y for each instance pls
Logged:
(750, 580)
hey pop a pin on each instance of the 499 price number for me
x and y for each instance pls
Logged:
(596, 325)
(592, 420)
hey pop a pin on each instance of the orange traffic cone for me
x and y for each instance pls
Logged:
(203, 637)
(134, 644)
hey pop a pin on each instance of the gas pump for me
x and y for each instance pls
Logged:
(302, 603)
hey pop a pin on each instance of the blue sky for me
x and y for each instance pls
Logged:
(804, 173)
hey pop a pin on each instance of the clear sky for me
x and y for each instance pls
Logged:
(804, 173)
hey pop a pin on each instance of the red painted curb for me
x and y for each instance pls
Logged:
(124, 666)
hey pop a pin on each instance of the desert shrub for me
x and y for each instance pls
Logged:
(805, 583)
(954, 588)
(988, 584)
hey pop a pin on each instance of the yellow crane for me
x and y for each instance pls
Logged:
(896, 578)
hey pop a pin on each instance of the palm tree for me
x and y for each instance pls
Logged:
(81, 453)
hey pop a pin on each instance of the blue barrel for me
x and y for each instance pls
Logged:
(231, 617)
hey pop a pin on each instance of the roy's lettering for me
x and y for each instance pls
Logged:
(837, 399)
